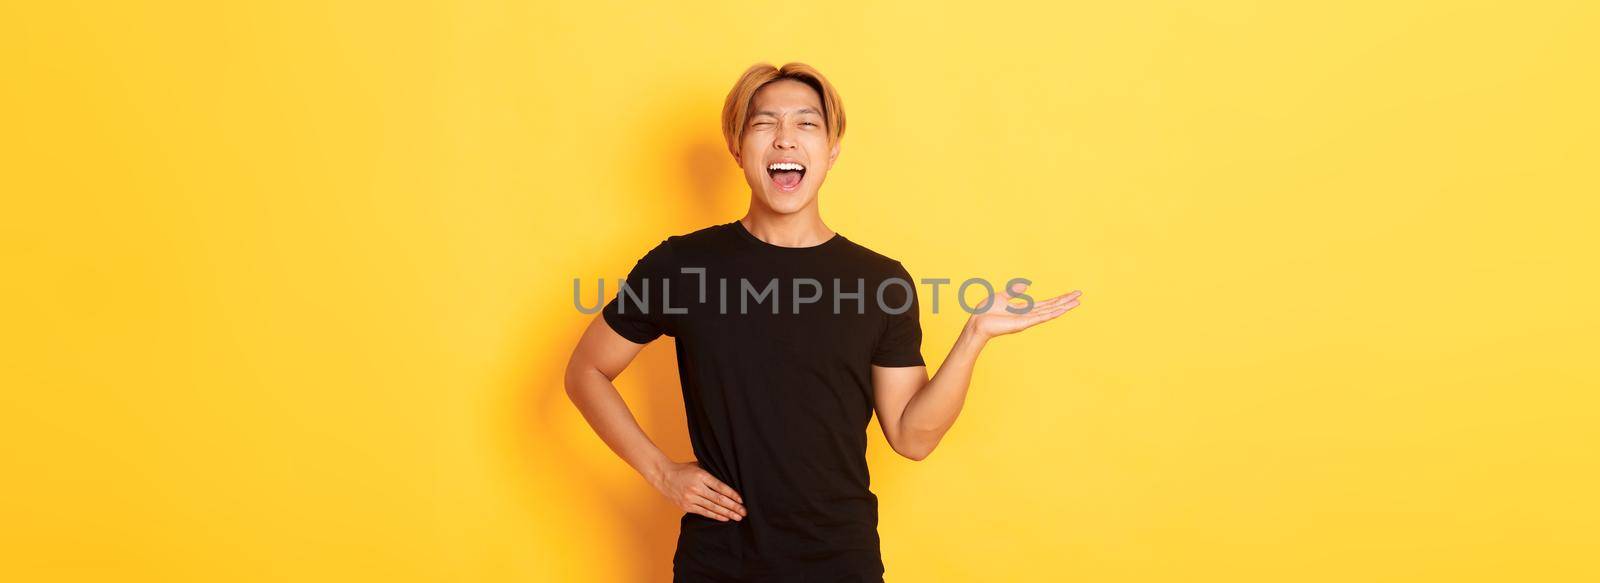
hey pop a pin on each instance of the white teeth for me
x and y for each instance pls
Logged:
(785, 166)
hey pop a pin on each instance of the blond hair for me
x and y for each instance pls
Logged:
(736, 109)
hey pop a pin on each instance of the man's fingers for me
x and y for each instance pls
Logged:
(726, 490)
(725, 495)
(1051, 313)
(706, 511)
(710, 508)
(1063, 297)
(708, 491)
(1046, 304)
(724, 502)
(721, 504)
(1053, 302)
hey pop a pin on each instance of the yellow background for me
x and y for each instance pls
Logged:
(287, 286)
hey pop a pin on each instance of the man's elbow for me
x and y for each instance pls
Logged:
(914, 452)
(574, 376)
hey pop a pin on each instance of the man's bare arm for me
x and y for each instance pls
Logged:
(914, 411)
(600, 356)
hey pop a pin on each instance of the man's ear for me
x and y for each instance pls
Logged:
(834, 155)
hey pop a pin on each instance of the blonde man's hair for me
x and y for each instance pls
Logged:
(736, 109)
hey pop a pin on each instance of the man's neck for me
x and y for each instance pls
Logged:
(801, 229)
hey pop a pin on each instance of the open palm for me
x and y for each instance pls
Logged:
(997, 320)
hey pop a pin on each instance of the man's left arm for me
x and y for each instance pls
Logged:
(915, 411)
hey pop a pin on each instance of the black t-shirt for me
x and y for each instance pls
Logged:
(777, 401)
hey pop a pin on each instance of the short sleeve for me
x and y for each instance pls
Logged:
(637, 312)
(901, 341)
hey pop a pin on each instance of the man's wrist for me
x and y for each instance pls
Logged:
(654, 469)
(972, 332)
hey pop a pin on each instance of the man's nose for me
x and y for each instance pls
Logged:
(784, 138)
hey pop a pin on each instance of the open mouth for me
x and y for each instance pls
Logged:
(786, 175)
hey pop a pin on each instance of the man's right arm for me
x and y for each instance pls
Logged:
(600, 356)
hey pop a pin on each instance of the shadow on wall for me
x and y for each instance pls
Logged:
(546, 453)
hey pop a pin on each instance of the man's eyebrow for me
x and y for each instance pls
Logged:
(775, 114)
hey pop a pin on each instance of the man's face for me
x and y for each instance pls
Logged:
(785, 129)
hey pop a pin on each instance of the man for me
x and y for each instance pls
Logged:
(789, 337)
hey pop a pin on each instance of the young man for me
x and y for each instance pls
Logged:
(789, 337)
